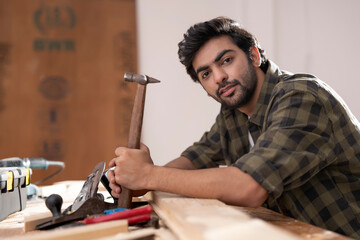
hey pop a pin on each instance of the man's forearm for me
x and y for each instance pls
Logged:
(135, 170)
(229, 185)
(180, 163)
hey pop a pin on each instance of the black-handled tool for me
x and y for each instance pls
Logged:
(105, 182)
(54, 203)
(86, 203)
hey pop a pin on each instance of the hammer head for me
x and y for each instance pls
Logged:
(139, 78)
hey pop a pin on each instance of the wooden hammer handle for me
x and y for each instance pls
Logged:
(125, 198)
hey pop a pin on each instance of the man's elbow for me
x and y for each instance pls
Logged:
(255, 197)
(252, 195)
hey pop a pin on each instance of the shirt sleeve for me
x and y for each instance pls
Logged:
(206, 153)
(295, 143)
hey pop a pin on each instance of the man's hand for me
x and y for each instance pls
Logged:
(132, 169)
(115, 188)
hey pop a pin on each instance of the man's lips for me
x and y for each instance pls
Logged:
(227, 90)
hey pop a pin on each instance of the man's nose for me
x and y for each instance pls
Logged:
(219, 75)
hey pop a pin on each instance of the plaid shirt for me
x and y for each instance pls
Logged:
(306, 153)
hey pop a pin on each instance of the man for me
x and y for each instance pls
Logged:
(289, 142)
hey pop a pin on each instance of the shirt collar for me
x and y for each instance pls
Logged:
(272, 77)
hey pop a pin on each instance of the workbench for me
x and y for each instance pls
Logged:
(180, 218)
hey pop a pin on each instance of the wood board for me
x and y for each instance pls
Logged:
(299, 228)
(62, 94)
(92, 231)
(191, 218)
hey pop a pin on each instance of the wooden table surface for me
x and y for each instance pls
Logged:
(301, 229)
(13, 225)
(217, 213)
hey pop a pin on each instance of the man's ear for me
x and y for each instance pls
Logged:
(255, 56)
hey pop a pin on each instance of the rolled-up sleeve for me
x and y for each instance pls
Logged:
(295, 143)
(206, 153)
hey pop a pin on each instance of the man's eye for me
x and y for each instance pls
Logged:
(226, 60)
(204, 75)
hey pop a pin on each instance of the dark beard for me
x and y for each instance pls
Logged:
(250, 79)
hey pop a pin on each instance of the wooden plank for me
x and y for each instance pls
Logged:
(32, 218)
(144, 234)
(304, 230)
(191, 218)
(31, 221)
(62, 93)
(92, 231)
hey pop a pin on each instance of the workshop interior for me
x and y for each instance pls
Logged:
(73, 78)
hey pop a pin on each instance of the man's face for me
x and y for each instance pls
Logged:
(225, 72)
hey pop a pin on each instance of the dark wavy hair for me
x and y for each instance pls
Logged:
(197, 35)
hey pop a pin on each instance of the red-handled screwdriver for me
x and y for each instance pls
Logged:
(133, 216)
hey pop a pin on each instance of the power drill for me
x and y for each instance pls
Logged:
(33, 163)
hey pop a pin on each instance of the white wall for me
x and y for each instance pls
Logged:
(319, 37)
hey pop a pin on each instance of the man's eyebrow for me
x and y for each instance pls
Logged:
(217, 58)
(222, 53)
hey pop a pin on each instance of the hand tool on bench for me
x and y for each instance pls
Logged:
(88, 202)
(133, 216)
(125, 198)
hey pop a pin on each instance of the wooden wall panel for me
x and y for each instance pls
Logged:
(62, 95)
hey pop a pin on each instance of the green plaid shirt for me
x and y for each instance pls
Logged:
(306, 153)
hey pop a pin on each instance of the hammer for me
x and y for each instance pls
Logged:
(125, 198)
